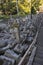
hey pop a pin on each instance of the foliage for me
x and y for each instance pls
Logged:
(33, 11)
(35, 6)
(8, 7)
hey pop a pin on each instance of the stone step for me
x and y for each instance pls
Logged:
(40, 44)
(39, 56)
(38, 61)
(40, 51)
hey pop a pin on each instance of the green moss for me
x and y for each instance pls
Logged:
(4, 17)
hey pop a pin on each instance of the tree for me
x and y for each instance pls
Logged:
(24, 6)
(35, 6)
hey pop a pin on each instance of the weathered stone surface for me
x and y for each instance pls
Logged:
(6, 61)
(3, 43)
(11, 54)
(2, 26)
(21, 48)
